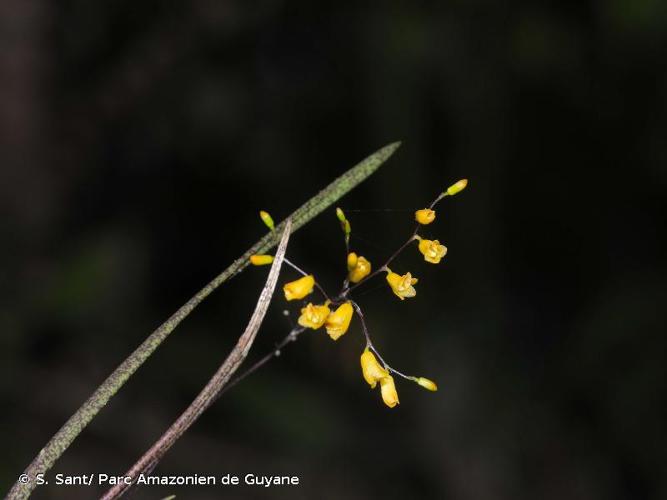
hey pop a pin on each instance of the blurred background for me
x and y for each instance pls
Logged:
(138, 140)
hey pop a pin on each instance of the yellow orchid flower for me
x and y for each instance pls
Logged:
(261, 260)
(372, 371)
(314, 316)
(425, 216)
(300, 288)
(339, 321)
(359, 267)
(432, 250)
(388, 390)
(402, 285)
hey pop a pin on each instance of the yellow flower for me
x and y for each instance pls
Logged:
(314, 316)
(300, 288)
(359, 267)
(261, 260)
(402, 285)
(432, 250)
(388, 390)
(425, 216)
(372, 371)
(427, 384)
(339, 321)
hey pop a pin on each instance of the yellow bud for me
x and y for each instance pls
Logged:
(457, 187)
(427, 384)
(347, 228)
(388, 390)
(351, 261)
(340, 214)
(261, 260)
(339, 321)
(361, 269)
(314, 316)
(267, 219)
(425, 216)
(372, 371)
(300, 288)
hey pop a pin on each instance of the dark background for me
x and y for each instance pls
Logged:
(139, 140)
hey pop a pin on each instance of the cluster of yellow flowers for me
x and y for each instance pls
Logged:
(316, 316)
(337, 322)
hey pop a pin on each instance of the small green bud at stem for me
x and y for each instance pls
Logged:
(427, 384)
(340, 214)
(457, 187)
(267, 219)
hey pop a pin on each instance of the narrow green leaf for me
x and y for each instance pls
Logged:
(82, 417)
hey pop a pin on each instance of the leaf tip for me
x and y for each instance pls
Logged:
(390, 148)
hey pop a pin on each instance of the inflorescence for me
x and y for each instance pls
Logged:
(335, 314)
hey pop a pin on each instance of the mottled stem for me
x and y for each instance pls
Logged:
(153, 456)
(82, 417)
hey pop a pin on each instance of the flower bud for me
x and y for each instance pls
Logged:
(340, 214)
(427, 384)
(457, 187)
(267, 219)
(300, 288)
(261, 260)
(351, 261)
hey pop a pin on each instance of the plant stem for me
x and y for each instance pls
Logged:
(384, 267)
(292, 336)
(208, 394)
(89, 409)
